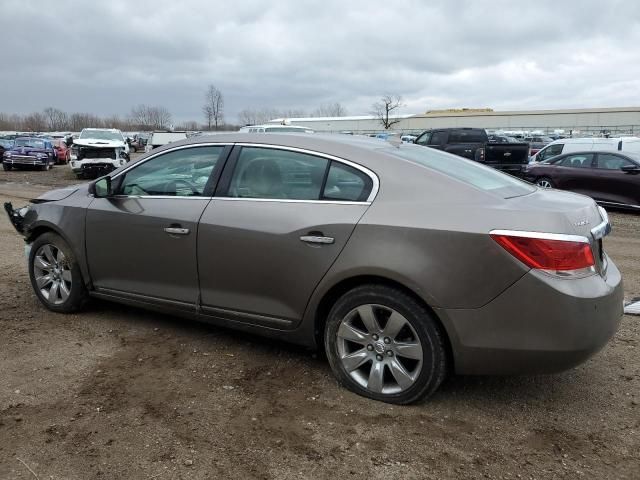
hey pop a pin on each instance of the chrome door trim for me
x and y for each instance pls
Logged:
(160, 197)
(374, 178)
(287, 200)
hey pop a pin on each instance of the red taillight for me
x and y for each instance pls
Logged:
(546, 253)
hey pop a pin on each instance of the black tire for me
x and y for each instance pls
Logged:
(432, 338)
(6, 167)
(45, 167)
(545, 182)
(78, 294)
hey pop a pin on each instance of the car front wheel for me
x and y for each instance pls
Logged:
(55, 274)
(383, 344)
(544, 182)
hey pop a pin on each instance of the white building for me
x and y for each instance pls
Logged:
(588, 121)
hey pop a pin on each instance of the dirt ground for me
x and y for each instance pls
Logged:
(120, 393)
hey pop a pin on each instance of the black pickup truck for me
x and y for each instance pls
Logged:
(474, 144)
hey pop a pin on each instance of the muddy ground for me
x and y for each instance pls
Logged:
(119, 393)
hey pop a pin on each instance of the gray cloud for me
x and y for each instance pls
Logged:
(104, 57)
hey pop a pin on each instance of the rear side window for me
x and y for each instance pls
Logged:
(463, 136)
(346, 183)
(438, 138)
(608, 161)
(277, 174)
(580, 160)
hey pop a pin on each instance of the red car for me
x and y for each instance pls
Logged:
(63, 152)
(610, 178)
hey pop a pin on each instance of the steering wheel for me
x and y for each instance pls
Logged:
(188, 184)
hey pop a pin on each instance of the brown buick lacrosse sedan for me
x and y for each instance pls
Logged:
(403, 263)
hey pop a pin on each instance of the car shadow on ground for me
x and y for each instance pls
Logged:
(463, 389)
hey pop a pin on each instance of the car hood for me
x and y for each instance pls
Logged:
(98, 143)
(58, 194)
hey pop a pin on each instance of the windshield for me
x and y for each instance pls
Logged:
(101, 135)
(29, 142)
(467, 171)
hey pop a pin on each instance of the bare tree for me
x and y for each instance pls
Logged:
(383, 109)
(35, 122)
(330, 110)
(150, 118)
(213, 107)
(189, 125)
(56, 119)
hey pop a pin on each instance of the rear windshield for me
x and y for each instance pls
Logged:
(461, 136)
(467, 171)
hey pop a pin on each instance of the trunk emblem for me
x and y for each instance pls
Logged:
(507, 154)
(581, 223)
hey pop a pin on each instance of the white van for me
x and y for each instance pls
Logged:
(158, 139)
(568, 145)
(274, 129)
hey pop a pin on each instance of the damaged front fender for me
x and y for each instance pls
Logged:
(17, 216)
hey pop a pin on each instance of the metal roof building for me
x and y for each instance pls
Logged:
(587, 121)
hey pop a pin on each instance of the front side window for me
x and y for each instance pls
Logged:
(180, 173)
(464, 136)
(277, 174)
(609, 161)
(423, 139)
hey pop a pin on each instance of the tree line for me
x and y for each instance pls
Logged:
(145, 117)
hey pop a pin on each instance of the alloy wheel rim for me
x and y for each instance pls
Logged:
(52, 273)
(543, 183)
(379, 349)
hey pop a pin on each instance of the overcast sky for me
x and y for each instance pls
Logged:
(105, 56)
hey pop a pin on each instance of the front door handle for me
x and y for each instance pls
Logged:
(176, 231)
(317, 239)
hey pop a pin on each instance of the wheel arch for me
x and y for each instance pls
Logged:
(45, 227)
(343, 286)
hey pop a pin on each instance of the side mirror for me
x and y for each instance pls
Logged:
(632, 169)
(101, 188)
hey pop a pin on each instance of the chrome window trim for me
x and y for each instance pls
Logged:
(372, 175)
(290, 200)
(563, 237)
(375, 187)
(161, 197)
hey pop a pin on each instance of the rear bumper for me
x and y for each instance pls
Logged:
(541, 324)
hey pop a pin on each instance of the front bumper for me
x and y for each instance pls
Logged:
(33, 161)
(541, 324)
(97, 168)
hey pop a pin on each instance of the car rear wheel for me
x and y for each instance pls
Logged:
(6, 167)
(383, 344)
(544, 182)
(55, 274)
(45, 167)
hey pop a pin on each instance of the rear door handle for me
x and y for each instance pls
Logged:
(317, 239)
(176, 231)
